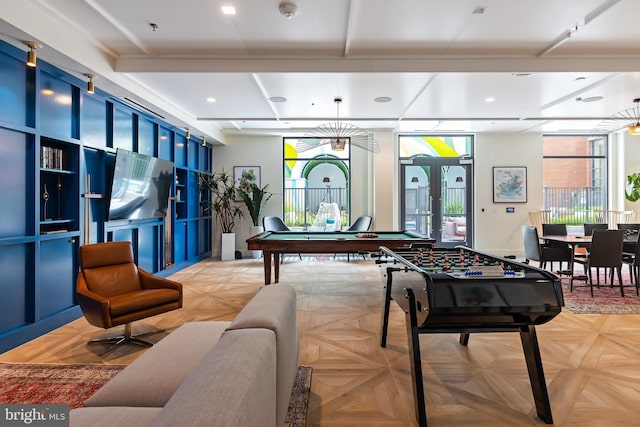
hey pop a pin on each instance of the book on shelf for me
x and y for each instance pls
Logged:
(52, 158)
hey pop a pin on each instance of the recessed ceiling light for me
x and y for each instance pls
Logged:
(228, 10)
(382, 99)
(211, 99)
(490, 99)
(479, 10)
(278, 99)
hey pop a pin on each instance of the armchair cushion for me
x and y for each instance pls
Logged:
(139, 300)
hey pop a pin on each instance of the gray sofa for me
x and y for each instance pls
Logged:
(237, 373)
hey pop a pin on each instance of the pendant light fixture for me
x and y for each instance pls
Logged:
(629, 118)
(337, 134)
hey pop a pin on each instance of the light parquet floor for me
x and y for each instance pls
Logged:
(591, 362)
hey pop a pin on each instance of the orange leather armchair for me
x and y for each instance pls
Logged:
(111, 290)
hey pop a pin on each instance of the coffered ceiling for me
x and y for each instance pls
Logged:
(447, 66)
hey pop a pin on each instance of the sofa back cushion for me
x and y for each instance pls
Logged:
(274, 308)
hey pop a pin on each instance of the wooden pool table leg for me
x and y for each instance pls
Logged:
(276, 267)
(267, 266)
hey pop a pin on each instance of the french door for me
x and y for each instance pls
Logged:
(436, 199)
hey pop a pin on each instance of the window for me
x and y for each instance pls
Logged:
(314, 173)
(575, 177)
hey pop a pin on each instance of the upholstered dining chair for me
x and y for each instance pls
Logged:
(546, 253)
(633, 261)
(534, 251)
(589, 227)
(111, 291)
(605, 252)
(631, 231)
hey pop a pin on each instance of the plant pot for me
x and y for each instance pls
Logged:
(253, 230)
(228, 246)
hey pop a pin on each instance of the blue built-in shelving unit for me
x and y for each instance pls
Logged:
(57, 153)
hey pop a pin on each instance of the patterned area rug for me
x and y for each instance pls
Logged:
(605, 300)
(34, 383)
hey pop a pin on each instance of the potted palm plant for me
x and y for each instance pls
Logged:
(255, 198)
(224, 207)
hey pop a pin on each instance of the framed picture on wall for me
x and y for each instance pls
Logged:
(509, 184)
(238, 171)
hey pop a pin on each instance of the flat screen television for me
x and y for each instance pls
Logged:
(141, 186)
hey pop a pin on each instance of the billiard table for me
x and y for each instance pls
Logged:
(275, 243)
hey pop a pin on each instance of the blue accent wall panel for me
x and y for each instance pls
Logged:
(15, 261)
(93, 123)
(13, 91)
(146, 136)
(180, 241)
(122, 235)
(165, 143)
(203, 156)
(56, 102)
(181, 151)
(192, 239)
(16, 186)
(56, 290)
(122, 128)
(147, 253)
(193, 154)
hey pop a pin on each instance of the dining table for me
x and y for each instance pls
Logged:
(576, 241)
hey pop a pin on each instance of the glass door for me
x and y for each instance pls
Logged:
(436, 199)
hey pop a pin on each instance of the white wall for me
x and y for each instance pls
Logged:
(263, 151)
(495, 230)
(375, 182)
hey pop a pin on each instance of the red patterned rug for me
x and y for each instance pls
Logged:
(36, 383)
(605, 300)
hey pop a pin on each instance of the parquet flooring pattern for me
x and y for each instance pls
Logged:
(591, 361)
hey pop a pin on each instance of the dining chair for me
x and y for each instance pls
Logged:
(556, 229)
(589, 227)
(631, 232)
(605, 252)
(534, 251)
(633, 261)
(582, 252)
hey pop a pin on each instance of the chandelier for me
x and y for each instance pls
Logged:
(337, 134)
(629, 118)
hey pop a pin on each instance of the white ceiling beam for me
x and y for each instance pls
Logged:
(376, 65)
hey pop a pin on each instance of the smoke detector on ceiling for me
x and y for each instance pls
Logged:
(288, 9)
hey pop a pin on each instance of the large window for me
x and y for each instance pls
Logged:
(575, 177)
(313, 174)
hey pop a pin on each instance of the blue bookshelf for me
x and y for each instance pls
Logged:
(57, 154)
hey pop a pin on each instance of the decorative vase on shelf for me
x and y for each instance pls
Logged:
(253, 230)
(228, 246)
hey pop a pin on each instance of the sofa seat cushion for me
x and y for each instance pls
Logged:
(153, 377)
(120, 305)
(110, 416)
(233, 386)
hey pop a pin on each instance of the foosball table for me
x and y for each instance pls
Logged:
(462, 290)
